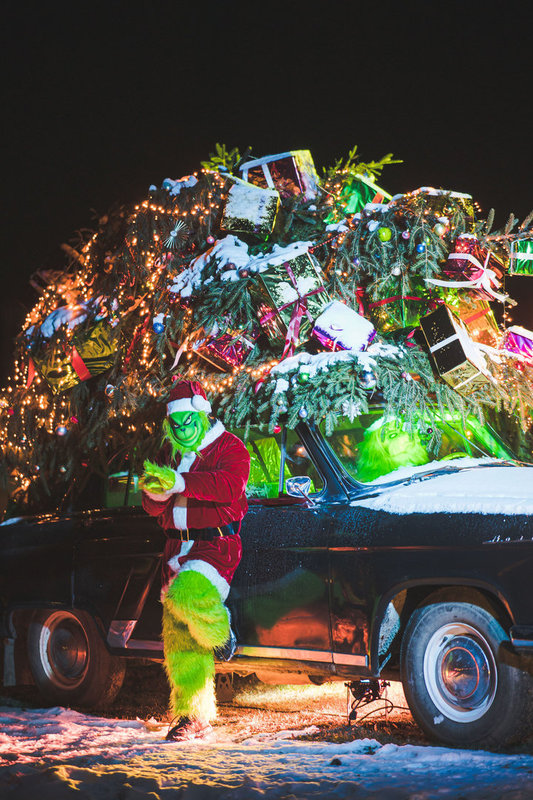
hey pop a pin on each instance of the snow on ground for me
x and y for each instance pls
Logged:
(56, 753)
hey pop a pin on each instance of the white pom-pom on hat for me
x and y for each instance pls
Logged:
(187, 396)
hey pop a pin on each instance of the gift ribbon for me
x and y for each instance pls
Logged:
(31, 373)
(79, 366)
(293, 329)
(484, 278)
(386, 300)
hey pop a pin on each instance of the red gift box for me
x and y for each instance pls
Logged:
(474, 267)
(227, 350)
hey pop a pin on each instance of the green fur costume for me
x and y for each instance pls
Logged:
(195, 621)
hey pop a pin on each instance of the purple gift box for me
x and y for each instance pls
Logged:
(519, 340)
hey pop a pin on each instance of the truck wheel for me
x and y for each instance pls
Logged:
(69, 661)
(463, 685)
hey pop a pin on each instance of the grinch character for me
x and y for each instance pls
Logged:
(386, 447)
(197, 492)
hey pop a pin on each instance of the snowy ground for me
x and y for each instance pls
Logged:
(51, 754)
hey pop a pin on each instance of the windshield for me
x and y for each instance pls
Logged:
(371, 446)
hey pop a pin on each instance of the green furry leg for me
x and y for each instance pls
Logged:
(193, 600)
(190, 671)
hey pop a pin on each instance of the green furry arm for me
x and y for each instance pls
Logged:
(156, 479)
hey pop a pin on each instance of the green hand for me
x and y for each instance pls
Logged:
(156, 479)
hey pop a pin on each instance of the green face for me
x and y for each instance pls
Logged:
(187, 429)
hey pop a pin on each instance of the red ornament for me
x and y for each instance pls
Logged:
(74, 420)
(10, 411)
(277, 428)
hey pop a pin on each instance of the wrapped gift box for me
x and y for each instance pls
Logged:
(477, 317)
(400, 311)
(227, 350)
(521, 257)
(443, 202)
(250, 209)
(473, 267)
(339, 327)
(89, 353)
(358, 192)
(458, 359)
(289, 293)
(290, 173)
(518, 340)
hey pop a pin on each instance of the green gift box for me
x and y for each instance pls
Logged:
(360, 191)
(289, 293)
(89, 353)
(521, 257)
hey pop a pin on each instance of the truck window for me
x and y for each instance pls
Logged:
(372, 445)
(116, 494)
(265, 462)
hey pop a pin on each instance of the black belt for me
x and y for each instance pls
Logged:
(201, 534)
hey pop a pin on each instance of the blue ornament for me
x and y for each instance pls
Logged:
(158, 327)
(356, 262)
(420, 248)
(61, 430)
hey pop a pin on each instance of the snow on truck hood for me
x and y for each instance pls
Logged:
(482, 486)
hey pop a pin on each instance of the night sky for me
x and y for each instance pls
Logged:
(100, 100)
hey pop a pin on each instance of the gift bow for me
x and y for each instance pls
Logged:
(484, 278)
(293, 328)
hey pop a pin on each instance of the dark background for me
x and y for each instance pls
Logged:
(102, 99)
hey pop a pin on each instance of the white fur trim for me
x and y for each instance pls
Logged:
(186, 462)
(174, 562)
(211, 573)
(179, 484)
(211, 435)
(179, 517)
(196, 403)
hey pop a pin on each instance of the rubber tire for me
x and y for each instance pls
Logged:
(508, 716)
(69, 660)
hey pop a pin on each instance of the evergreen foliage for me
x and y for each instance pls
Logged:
(119, 286)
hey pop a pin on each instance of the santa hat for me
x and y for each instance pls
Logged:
(187, 396)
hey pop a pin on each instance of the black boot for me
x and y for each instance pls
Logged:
(226, 651)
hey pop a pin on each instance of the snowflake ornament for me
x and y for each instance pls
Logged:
(179, 231)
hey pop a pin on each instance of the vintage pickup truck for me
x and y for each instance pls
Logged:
(423, 574)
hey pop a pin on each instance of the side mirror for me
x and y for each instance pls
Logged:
(298, 486)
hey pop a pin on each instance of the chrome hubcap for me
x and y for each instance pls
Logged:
(460, 672)
(64, 650)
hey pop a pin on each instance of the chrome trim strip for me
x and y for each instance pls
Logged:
(522, 642)
(141, 644)
(349, 659)
(324, 656)
(285, 652)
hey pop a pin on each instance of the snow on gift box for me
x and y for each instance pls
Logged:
(341, 328)
(250, 209)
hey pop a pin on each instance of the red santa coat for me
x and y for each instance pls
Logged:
(209, 491)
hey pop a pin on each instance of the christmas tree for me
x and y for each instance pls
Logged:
(288, 295)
